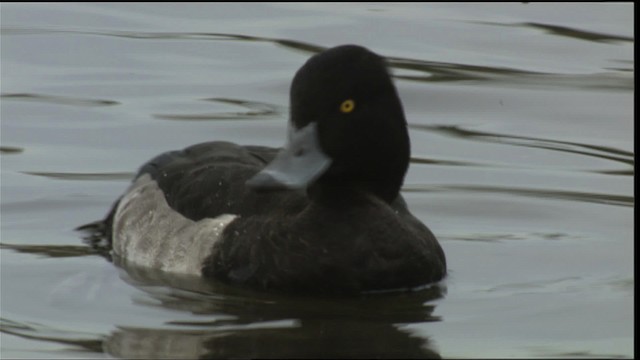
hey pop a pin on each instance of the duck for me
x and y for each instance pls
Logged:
(323, 214)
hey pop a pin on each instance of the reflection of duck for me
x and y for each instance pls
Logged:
(249, 324)
(190, 211)
(322, 339)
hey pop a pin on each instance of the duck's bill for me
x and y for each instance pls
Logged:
(298, 164)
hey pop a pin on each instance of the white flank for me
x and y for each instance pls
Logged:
(147, 232)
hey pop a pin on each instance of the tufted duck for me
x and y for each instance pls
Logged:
(323, 214)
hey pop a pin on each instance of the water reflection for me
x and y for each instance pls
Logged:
(581, 196)
(10, 150)
(263, 325)
(293, 44)
(565, 31)
(82, 176)
(601, 152)
(238, 322)
(53, 251)
(427, 161)
(255, 110)
(57, 99)
(312, 339)
(434, 71)
(427, 71)
(77, 341)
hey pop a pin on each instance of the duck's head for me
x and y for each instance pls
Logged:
(347, 127)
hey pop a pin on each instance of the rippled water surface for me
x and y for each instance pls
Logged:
(521, 121)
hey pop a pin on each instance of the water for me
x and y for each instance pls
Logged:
(521, 121)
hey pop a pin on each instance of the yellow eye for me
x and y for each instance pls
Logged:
(347, 106)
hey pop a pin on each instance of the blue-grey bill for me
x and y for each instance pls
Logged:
(298, 164)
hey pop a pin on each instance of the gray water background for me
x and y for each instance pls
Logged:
(521, 122)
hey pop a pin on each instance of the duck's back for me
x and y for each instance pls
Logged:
(207, 180)
(180, 202)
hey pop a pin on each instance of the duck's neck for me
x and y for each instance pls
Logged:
(381, 174)
(339, 193)
(376, 166)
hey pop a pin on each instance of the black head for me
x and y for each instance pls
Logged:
(345, 103)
